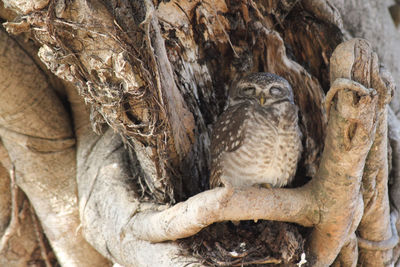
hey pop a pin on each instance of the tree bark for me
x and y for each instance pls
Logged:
(36, 146)
(156, 76)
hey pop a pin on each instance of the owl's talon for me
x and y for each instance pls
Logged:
(266, 185)
(235, 223)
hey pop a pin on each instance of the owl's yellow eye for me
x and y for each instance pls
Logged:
(248, 91)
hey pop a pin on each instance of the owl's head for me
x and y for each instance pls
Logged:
(263, 88)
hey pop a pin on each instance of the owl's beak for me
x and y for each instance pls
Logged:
(262, 99)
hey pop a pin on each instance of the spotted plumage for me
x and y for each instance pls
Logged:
(256, 140)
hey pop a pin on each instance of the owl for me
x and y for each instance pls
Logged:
(256, 141)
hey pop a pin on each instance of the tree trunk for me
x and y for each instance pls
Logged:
(114, 156)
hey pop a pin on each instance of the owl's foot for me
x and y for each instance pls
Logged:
(235, 223)
(265, 185)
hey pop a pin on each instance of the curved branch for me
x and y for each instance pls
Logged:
(104, 220)
(36, 132)
(222, 204)
(350, 133)
(357, 125)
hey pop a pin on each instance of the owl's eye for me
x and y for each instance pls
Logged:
(276, 91)
(248, 91)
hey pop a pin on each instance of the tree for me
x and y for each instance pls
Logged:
(154, 76)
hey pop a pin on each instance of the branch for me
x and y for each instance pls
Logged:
(35, 130)
(357, 61)
(124, 229)
(337, 183)
(107, 203)
(222, 204)
(351, 130)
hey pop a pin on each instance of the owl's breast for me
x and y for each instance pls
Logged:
(269, 152)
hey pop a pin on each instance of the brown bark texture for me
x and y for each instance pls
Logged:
(118, 168)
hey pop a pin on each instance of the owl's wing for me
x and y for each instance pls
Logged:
(228, 135)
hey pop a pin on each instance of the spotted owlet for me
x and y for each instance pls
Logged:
(256, 140)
